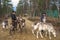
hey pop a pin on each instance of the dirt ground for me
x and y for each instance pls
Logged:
(4, 34)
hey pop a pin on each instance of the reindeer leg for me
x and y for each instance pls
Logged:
(37, 33)
(49, 35)
(41, 34)
(33, 32)
(46, 34)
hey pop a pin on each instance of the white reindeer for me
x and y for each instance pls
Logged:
(47, 28)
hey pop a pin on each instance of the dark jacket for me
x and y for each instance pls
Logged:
(42, 16)
(13, 16)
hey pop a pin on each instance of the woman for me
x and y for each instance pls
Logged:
(14, 20)
(43, 17)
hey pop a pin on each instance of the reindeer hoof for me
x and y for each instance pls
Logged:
(41, 37)
(37, 36)
(55, 36)
(50, 38)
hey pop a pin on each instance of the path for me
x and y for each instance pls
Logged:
(24, 36)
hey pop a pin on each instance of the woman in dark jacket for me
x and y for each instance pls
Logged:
(14, 20)
(42, 16)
